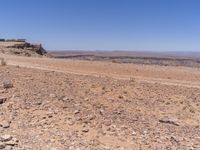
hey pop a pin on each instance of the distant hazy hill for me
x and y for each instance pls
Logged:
(126, 53)
(189, 59)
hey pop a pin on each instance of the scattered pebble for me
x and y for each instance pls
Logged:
(5, 138)
(5, 124)
(169, 120)
(2, 100)
(7, 84)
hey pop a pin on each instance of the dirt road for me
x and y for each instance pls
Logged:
(178, 76)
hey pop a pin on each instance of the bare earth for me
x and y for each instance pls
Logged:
(72, 104)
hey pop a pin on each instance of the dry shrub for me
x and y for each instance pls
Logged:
(2, 62)
(114, 61)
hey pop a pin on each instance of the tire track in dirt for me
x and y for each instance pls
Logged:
(23, 62)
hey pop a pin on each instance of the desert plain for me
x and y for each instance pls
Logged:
(70, 104)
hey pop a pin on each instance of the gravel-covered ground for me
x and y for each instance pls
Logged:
(49, 110)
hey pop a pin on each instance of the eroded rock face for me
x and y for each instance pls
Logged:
(22, 48)
(37, 48)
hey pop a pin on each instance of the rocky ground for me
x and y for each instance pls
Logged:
(52, 110)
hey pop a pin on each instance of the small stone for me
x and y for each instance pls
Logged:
(38, 103)
(134, 133)
(101, 111)
(65, 98)
(11, 143)
(5, 124)
(5, 138)
(85, 130)
(174, 139)
(76, 111)
(7, 84)
(169, 120)
(2, 100)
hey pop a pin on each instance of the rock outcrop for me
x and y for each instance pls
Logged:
(21, 47)
(37, 48)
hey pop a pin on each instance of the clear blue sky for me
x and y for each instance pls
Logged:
(161, 25)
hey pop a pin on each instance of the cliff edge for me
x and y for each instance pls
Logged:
(21, 47)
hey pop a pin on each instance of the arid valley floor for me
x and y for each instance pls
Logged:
(58, 104)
